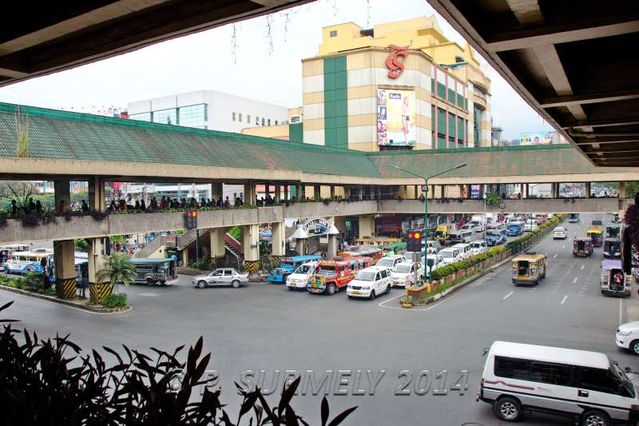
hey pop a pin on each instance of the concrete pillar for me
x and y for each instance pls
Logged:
(587, 189)
(526, 191)
(185, 257)
(64, 260)
(62, 193)
(366, 226)
(332, 247)
(250, 242)
(278, 244)
(97, 197)
(622, 190)
(555, 190)
(218, 250)
(360, 193)
(521, 190)
(317, 192)
(249, 193)
(443, 191)
(217, 191)
(98, 290)
(332, 189)
(286, 195)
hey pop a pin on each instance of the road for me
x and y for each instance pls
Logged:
(265, 327)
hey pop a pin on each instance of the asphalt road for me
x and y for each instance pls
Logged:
(266, 327)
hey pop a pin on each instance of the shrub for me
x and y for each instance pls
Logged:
(54, 379)
(34, 281)
(204, 264)
(114, 301)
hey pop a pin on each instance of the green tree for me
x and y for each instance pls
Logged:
(118, 270)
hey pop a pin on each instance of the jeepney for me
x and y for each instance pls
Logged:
(287, 265)
(332, 275)
(612, 248)
(442, 232)
(614, 282)
(582, 247)
(596, 236)
(528, 268)
(613, 231)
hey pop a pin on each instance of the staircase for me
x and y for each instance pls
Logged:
(148, 250)
(233, 247)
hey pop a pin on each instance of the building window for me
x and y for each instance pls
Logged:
(257, 120)
(333, 33)
(144, 116)
(239, 115)
(165, 116)
(192, 115)
(233, 116)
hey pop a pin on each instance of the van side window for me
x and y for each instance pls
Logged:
(512, 368)
(383, 274)
(554, 374)
(598, 380)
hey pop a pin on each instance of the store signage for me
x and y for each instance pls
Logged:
(316, 226)
(395, 60)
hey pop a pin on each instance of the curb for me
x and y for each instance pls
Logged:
(63, 302)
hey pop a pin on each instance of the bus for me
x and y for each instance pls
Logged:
(152, 271)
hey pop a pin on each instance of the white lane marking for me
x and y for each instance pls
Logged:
(564, 299)
(388, 300)
(575, 280)
(508, 295)
(582, 267)
(554, 256)
(149, 294)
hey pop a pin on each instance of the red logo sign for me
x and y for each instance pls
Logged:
(393, 63)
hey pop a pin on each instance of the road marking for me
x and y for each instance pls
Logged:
(575, 280)
(563, 247)
(582, 267)
(508, 295)
(564, 300)
(149, 294)
(388, 300)
(554, 256)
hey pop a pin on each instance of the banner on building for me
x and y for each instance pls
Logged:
(541, 138)
(396, 117)
(476, 192)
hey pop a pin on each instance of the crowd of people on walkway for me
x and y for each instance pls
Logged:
(31, 207)
(165, 203)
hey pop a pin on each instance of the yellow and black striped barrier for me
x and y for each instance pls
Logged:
(65, 288)
(252, 266)
(99, 291)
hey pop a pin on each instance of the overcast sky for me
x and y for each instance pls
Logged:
(254, 64)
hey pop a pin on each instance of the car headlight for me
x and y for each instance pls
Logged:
(624, 333)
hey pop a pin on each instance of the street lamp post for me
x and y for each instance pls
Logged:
(426, 276)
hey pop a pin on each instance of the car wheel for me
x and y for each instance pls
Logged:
(331, 289)
(372, 295)
(150, 282)
(235, 284)
(201, 284)
(634, 347)
(507, 408)
(388, 288)
(594, 418)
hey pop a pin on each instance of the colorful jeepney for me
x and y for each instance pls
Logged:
(595, 234)
(614, 282)
(359, 251)
(286, 267)
(332, 275)
(581, 247)
(529, 268)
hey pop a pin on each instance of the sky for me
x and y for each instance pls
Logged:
(258, 59)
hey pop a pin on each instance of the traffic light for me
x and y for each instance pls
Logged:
(414, 241)
(190, 219)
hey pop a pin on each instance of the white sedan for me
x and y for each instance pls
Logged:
(220, 277)
(628, 336)
(559, 233)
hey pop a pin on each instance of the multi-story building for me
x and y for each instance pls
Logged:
(399, 85)
(207, 109)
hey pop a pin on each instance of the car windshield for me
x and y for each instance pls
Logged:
(303, 269)
(386, 262)
(403, 267)
(446, 254)
(366, 276)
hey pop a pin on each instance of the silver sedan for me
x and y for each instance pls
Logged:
(221, 277)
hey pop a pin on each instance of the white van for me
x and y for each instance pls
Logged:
(403, 274)
(478, 247)
(583, 385)
(299, 277)
(389, 262)
(461, 236)
(370, 282)
(449, 255)
(465, 250)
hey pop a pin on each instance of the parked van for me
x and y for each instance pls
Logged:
(389, 262)
(582, 385)
(370, 282)
(299, 278)
(465, 250)
(461, 236)
(478, 247)
(449, 255)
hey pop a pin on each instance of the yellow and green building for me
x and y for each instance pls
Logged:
(440, 100)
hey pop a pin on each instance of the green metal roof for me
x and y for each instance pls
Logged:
(74, 136)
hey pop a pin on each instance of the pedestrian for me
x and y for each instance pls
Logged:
(14, 208)
(143, 205)
(62, 206)
(31, 206)
(43, 265)
(227, 203)
(85, 207)
(38, 207)
(220, 203)
(137, 204)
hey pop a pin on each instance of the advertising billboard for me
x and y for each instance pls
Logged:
(541, 138)
(396, 117)
(476, 192)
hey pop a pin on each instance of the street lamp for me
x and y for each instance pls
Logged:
(426, 276)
